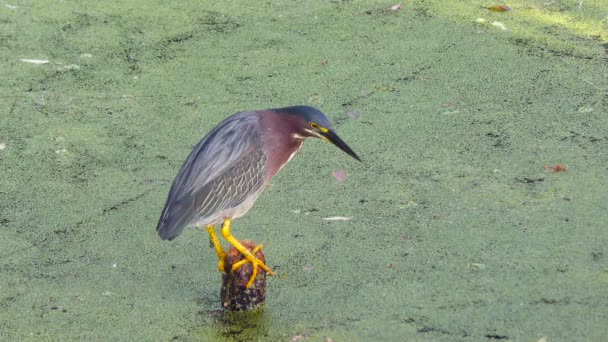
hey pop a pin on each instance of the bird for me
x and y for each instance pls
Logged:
(232, 165)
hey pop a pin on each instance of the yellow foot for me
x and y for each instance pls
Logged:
(249, 256)
(244, 261)
(255, 263)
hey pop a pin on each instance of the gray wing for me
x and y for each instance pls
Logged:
(222, 170)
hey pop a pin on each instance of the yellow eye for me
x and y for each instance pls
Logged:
(314, 125)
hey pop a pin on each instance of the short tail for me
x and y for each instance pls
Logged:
(174, 218)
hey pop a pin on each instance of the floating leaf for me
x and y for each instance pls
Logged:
(33, 61)
(340, 175)
(586, 109)
(499, 25)
(558, 168)
(499, 8)
(338, 218)
(397, 7)
(308, 268)
(353, 114)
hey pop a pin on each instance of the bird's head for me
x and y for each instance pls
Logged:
(312, 123)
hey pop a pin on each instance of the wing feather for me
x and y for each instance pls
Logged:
(222, 170)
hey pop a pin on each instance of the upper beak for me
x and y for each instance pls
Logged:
(335, 139)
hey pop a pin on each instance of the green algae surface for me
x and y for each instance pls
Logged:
(456, 227)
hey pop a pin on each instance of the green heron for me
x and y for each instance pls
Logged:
(229, 168)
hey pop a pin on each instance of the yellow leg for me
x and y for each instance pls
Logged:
(245, 252)
(221, 255)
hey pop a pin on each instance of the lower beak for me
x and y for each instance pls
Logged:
(335, 139)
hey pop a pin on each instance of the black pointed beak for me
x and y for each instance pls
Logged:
(335, 139)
